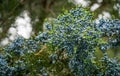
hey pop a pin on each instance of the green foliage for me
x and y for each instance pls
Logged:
(66, 48)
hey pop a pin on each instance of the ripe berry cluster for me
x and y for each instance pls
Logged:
(71, 41)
